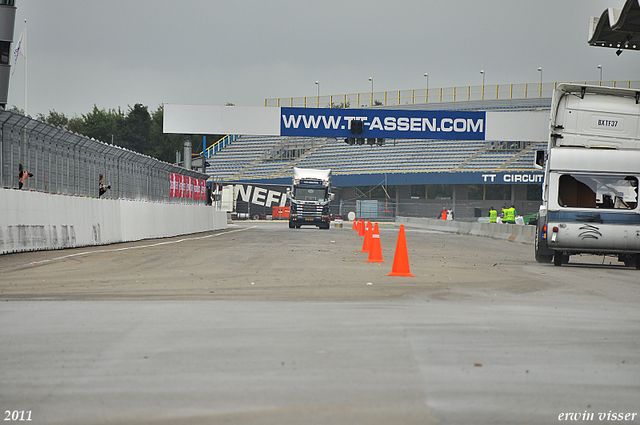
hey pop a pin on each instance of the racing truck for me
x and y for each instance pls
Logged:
(310, 195)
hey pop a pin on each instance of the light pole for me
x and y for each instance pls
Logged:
(540, 71)
(426, 95)
(371, 79)
(482, 72)
(318, 100)
(600, 68)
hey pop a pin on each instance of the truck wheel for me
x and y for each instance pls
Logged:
(255, 216)
(638, 261)
(291, 225)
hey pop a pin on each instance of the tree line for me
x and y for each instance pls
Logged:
(137, 129)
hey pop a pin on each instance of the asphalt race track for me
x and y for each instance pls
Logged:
(261, 324)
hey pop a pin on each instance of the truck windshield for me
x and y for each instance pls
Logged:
(304, 194)
(597, 191)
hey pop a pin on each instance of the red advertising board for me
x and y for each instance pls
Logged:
(187, 187)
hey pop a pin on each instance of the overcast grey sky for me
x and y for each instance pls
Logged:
(117, 53)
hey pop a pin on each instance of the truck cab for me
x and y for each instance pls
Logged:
(310, 196)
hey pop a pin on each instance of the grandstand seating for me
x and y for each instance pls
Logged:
(258, 157)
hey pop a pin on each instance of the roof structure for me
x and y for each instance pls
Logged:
(617, 28)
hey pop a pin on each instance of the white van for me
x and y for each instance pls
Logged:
(592, 169)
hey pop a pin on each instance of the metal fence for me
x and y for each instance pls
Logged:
(68, 163)
(435, 95)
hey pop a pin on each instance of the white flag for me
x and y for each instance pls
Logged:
(20, 50)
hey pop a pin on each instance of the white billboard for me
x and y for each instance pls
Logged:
(205, 119)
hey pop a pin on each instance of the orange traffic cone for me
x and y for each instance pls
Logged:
(353, 227)
(401, 257)
(375, 253)
(376, 231)
(366, 244)
(361, 229)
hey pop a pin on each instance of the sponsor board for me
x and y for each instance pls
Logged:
(374, 179)
(383, 123)
(187, 187)
(250, 198)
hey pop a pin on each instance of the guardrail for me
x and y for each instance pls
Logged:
(64, 162)
(435, 95)
(510, 232)
(220, 144)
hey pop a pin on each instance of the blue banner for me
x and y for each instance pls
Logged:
(400, 178)
(383, 123)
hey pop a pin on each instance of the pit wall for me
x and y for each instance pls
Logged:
(511, 232)
(31, 221)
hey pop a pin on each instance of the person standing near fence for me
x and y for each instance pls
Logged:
(23, 175)
(101, 187)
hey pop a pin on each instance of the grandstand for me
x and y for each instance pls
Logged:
(251, 158)
(270, 159)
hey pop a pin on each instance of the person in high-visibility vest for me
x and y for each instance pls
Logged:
(493, 215)
(510, 215)
(443, 214)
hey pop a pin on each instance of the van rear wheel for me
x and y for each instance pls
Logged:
(557, 258)
(560, 258)
(540, 257)
(629, 260)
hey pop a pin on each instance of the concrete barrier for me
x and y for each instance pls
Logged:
(511, 232)
(31, 221)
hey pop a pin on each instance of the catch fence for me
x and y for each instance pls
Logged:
(63, 162)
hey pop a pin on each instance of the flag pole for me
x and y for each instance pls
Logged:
(25, 68)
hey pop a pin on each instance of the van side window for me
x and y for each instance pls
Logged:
(598, 191)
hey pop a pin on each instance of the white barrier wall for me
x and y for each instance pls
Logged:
(32, 221)
(512, 232)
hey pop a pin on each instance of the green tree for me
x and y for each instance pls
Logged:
(54, 118)
(136, 130)
(76, 124)
(59, 119)
(103, 125)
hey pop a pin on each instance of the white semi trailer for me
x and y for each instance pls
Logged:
(592, 169)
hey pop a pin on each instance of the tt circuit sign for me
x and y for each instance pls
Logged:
(360, 123)
(508, 178)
